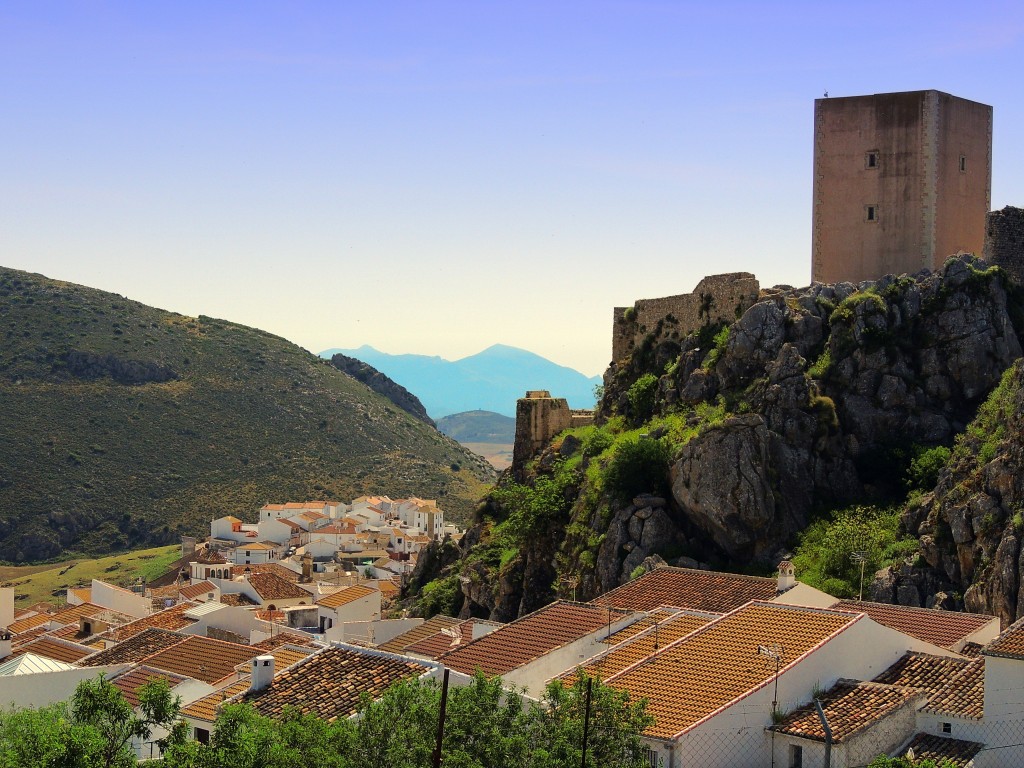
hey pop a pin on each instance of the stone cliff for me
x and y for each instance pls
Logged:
(720, 445)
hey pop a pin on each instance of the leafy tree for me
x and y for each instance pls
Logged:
(94, 731)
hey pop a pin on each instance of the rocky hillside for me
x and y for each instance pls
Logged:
(721, 446)
(126, 426)
(381, 384)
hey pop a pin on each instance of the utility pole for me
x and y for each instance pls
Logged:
(440, 721)
(828, 733)
(586, 722)
(862, 558)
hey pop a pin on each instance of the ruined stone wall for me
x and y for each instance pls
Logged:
(1004, 241)
(716, 299)
(539, 417)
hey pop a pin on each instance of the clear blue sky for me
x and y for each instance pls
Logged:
(436, 177)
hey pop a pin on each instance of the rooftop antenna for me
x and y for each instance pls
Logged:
(862, 558)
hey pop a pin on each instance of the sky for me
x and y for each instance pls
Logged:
(436, 177)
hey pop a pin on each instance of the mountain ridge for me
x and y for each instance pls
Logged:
(490, 380)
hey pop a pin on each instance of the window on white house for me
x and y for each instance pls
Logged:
(947, 727)
(796, 756)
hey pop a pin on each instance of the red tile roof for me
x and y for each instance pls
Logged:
(640, 646)
(963, 695)
(530, 637)
(270, 586)
(687, 588)
(135, 648)
(922, 671)
(203, 658)
(52, 648)
(199, 589)
(441, 642)
(331, 683)
(172, 618)
(430, 627)
(131, 681)
(940, 750)
(712, 668)
(1010, 644)
(206, 707)
(345, 596)
(29, 622)
(945, 629)
(285, 573)
(850, 708)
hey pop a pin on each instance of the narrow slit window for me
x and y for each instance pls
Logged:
(963, 164)
(871, 213)
(871, 159)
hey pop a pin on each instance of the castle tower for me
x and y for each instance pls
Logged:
(901, 181)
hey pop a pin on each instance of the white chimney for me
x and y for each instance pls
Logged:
(262, 672)
(5, 643)
(787, 576)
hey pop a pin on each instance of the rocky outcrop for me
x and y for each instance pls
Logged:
(88, 365)
(810, 400)
(381, 384)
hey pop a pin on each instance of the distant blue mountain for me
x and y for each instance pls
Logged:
(491, 380)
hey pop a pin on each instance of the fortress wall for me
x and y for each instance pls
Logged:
(716, 299)
(1004, 241)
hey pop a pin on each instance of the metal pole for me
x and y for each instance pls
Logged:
(586, 722)
(828, 733)
(440, 721)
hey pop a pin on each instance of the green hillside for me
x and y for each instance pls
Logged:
(125, 426)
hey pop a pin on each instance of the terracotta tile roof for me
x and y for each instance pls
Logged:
(237, 599)
(27, 636)
(172, 618)
(270, 586)
(971, 650)
(330, 684)
(206, 707)
(52, 648)
(943, 751)
(285, 573)
(964, 694)
(686, 588)
(388, 588)
(256, 546)
(199, 589)
(1009, 644)
(431, 626)
(275, 616)
(529, 637)
(284, 638)
(284, 657)
(850, 707)
(440, 643)
(203, 658)
(717, 665)
(922, 670)
(129, 682)
(29, 622)
(639, 647)
(345, 596)
(942, 628)
(648, 621)
(137, 647)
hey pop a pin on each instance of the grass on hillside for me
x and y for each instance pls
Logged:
(34, 583)
(90, 465)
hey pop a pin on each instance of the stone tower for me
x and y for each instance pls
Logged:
(902, 181)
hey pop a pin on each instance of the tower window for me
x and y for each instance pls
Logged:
(963, 164)
(871, 213)
(871, 159)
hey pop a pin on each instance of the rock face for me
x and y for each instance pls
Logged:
(87, 365)
(819, 391)
(381, 384)
(970, 527)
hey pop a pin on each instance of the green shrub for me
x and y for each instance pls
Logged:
(923, 473)
(721, 340)
(641, 396)
(638, 465)
(822, 366)
(441, 596)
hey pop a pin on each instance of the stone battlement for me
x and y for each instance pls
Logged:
(716, 299)
(539, 417)
(1004, 241)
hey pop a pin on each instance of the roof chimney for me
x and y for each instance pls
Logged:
(787, 576)
(262, 673)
